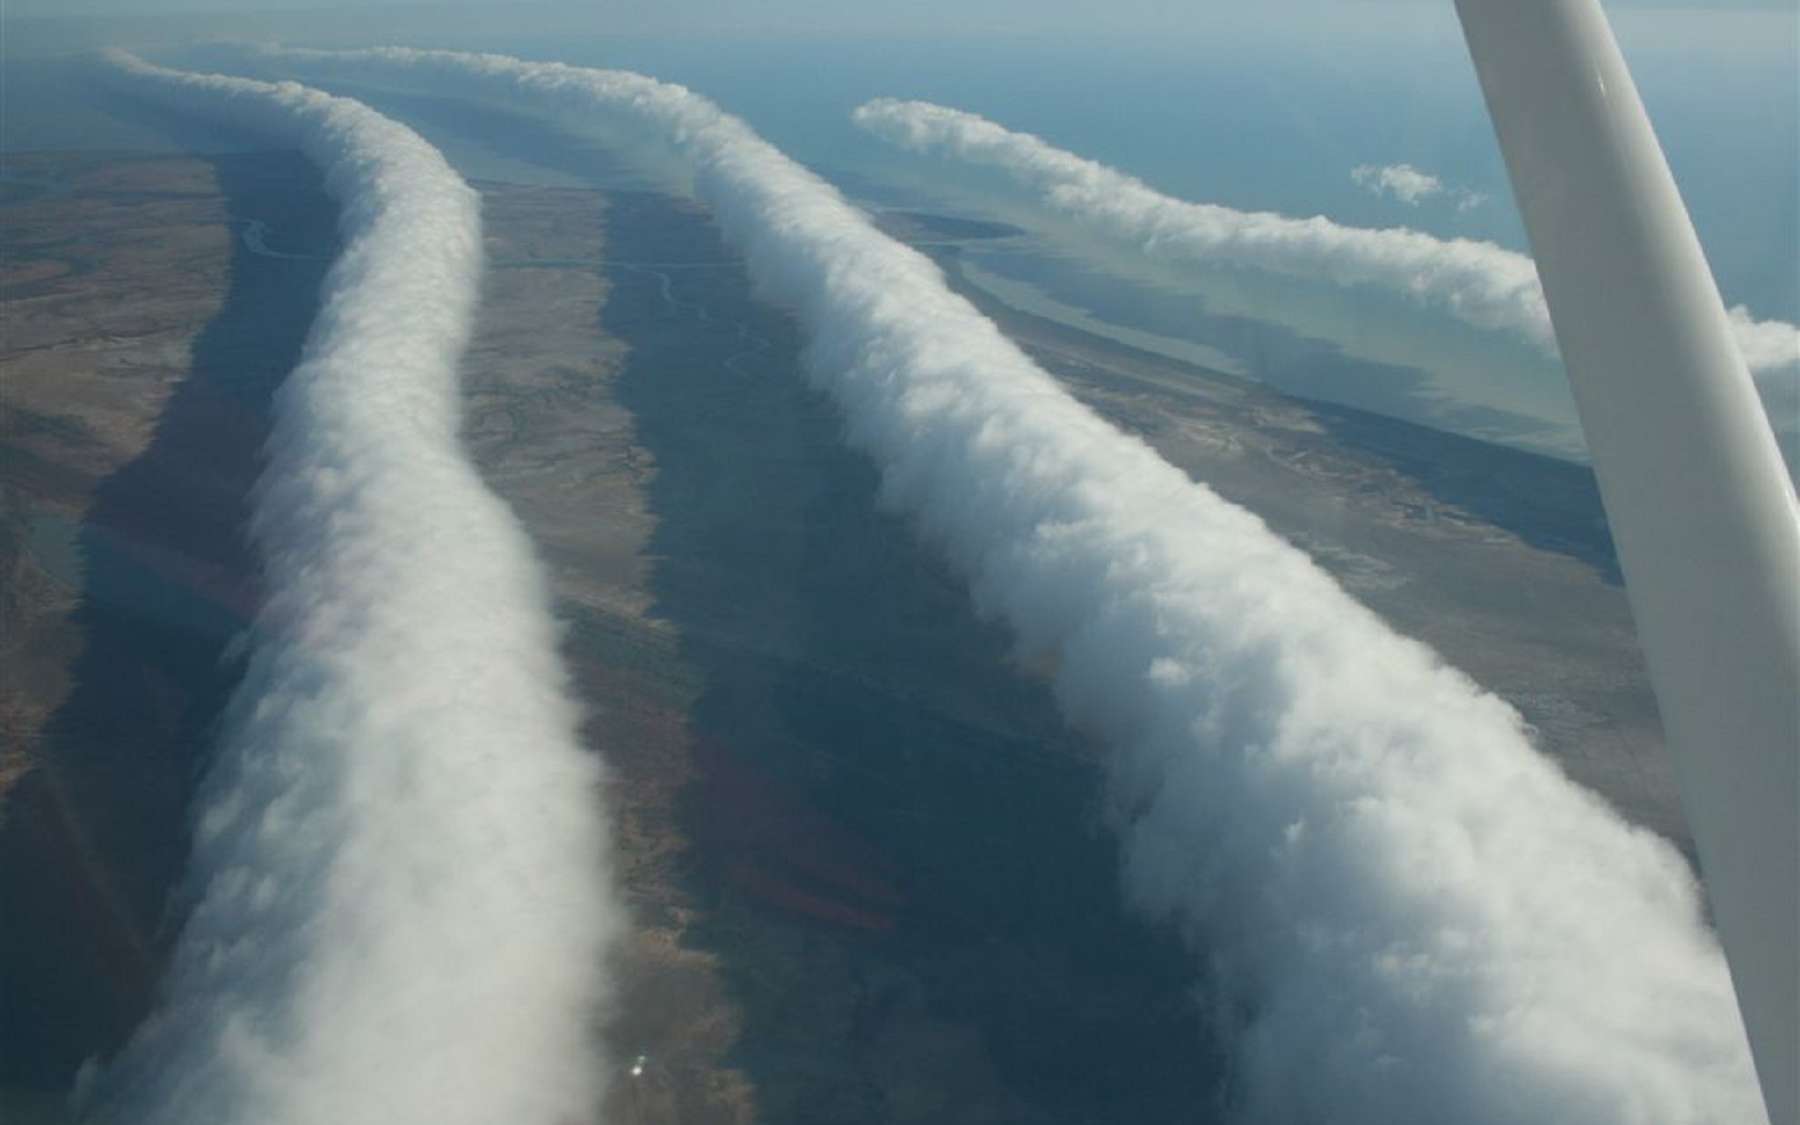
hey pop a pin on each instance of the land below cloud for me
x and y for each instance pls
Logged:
(864, 856)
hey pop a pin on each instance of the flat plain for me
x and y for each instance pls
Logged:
(865, 860)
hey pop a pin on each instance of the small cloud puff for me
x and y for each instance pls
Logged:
(1410, 186)
(1402, 181)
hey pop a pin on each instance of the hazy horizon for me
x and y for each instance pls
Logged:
(698, 444)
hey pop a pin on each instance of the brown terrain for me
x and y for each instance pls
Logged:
(138, 347)
(862, 855)
(847, 907)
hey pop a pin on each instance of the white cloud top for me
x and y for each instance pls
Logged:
(399, 859)
(1477, 282)
(1402, 181)
(1410, 186)
(1399, 909)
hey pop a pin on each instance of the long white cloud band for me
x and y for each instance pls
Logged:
(1401, 910)
(399, 858)
(1482, 284)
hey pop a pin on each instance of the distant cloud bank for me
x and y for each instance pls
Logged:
(1399, 910)
(1410, 186)
(1477, 282)
(399, 863)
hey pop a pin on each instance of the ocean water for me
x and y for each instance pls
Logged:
(1268, 120)
(1280, 127)
(1264, 130)
(1263, 121)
